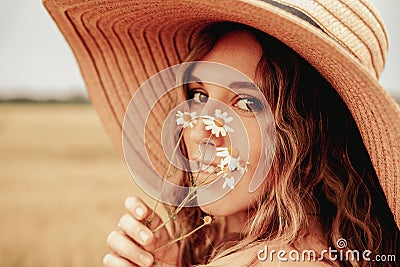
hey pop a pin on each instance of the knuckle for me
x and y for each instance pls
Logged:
(138, 255)
(135, 229)
(125, 220)
(128, 224)
(127, 249)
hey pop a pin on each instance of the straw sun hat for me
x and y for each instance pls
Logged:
(120, 44)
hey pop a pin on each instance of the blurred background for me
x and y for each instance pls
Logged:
(62, 185)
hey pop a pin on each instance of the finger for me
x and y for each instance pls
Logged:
(136, 207)
(139, 210)
(123, 246)
(159, 237)
(112, 260)
(136, 230)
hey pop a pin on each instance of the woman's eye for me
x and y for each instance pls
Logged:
(199, 97)
(249, 104)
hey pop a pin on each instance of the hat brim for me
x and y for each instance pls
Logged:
(120, 44)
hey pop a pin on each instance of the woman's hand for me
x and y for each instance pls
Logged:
(133, 243)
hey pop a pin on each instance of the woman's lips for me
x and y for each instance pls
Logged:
(207, 175)
(208, 168)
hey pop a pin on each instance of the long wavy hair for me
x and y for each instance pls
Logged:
(321, 169)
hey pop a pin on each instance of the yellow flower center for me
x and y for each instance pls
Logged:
(234, 152)
(207, 220)
(187, 117)
(219, 122)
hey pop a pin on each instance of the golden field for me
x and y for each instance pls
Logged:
(62, 186)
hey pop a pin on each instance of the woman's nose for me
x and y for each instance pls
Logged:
(200, 135)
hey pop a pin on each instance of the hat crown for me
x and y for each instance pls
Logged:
(355, 25)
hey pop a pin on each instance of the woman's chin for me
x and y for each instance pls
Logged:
(220, 207)
(213, 210)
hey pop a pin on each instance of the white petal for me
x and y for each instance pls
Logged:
(210, 127)
(221, 169)
(228, 120)
(222, 130)
(226, 160)
(208, 117)
(232, 165)
(223, 153)
(230, 182)
(228, 129)
(208, 122)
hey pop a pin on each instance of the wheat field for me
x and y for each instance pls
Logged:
(62, 186)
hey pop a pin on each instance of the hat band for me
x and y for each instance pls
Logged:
(366, 43)
(295, 12)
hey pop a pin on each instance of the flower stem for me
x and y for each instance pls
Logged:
(166, 175)
(189, 197)
(205, 180)
(183, 236)
(183, 202)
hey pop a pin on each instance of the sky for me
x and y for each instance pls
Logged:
(35, 59)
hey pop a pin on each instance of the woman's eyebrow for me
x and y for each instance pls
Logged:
(194, 79)
(232, 85)
(243, 85)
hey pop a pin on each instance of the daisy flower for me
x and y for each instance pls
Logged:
(231, 157)
(242, 166)
(218, 124)
(186, 119)
(207, 220)
(229, 181)
(227, 174)
(222, 170)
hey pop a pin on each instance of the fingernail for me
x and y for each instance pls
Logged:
(140, 212)
(144, 235)
(147, 260)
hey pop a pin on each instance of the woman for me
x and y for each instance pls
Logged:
(327, 181)
(306, 202)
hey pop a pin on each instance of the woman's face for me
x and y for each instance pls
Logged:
(241, 51)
